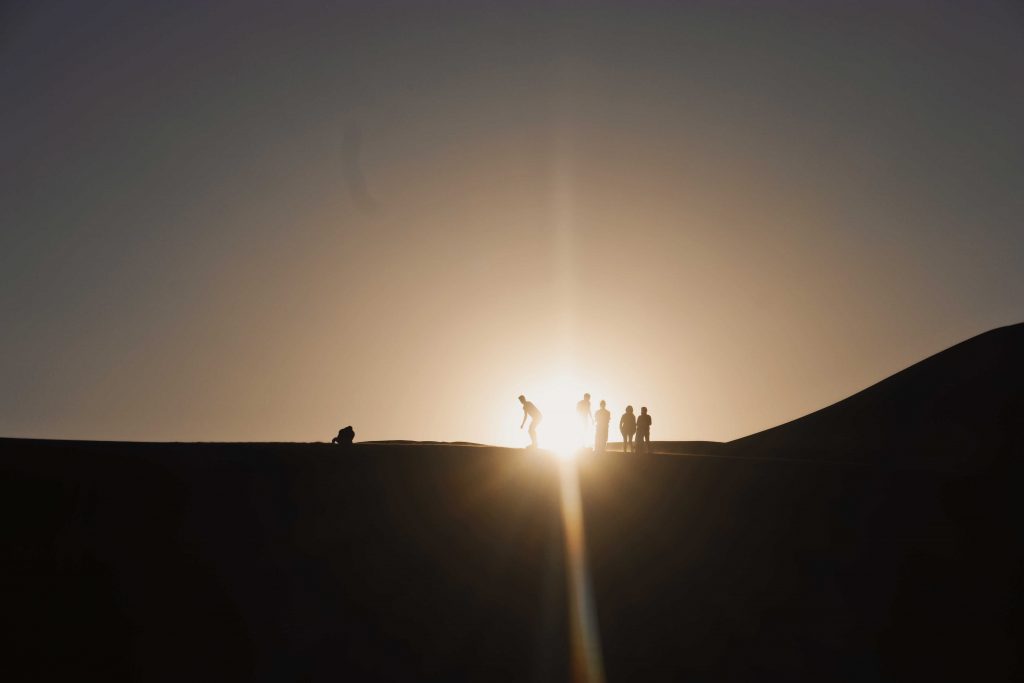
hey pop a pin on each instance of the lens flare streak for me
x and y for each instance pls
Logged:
(585, 645)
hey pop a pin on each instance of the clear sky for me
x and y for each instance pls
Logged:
(264, 221)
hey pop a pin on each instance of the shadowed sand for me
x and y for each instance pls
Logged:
(766, 558)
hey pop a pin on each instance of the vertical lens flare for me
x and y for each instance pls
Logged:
(585, 644)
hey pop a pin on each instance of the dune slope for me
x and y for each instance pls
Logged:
(959, 409)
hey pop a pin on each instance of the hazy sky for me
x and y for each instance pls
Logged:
(264, 221)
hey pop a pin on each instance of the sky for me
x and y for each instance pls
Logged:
(267, 220)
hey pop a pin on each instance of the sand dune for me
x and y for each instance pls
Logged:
(397, 561)
(960, 408)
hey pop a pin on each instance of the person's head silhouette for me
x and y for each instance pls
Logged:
(586, 397)
(643, 411)
(629, 409)
(522, 399)
(602, 404)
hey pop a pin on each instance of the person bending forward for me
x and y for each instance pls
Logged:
(530, 411)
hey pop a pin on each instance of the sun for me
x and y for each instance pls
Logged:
(563, 439)
(560, 432)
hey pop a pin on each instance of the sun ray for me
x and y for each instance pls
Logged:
(587, 665)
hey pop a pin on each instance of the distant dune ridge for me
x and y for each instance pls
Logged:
(958, 408)
(877, 539)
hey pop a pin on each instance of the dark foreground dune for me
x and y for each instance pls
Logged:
(292, 562)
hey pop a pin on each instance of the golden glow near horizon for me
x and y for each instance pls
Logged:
(688, 228)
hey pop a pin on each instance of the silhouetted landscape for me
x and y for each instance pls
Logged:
(876, 539)
(603, 342)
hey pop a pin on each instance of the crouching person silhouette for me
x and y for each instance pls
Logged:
(345, 436)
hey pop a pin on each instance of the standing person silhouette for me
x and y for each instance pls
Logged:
(530, 411)
(643, 431)
(583, 411)
(627, 427)
(601, 419)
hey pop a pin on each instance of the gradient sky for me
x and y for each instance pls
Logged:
(264, 221)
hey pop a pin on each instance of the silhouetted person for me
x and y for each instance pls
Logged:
(530, 411)
(627, 427)
(583, 411)
(643, 431)
(601, 419)
(345, 436)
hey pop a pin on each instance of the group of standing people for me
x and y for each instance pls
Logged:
(635, 427)
(635, 430)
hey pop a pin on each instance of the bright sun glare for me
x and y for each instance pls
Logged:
(560, 431)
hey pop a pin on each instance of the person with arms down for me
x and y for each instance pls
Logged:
(601, 419)
(627, 427)
(643, 431)
(583, 411)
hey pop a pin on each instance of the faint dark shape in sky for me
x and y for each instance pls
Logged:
(12, 13)
(355, 181)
